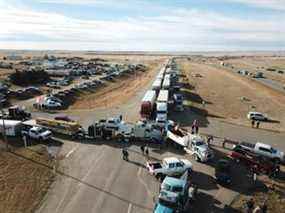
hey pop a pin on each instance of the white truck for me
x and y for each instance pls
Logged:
(170, 166)
(166, 83)
(38, 133)
(200, 149)
(145, 131)
(156, 85)
(161, 107)
(191, 143)
(263, 150)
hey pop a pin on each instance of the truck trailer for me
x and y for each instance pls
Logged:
(147, 104)
(12, 128)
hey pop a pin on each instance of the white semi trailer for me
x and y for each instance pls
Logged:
(12, 128)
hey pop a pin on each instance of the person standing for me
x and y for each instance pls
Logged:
(147, 152)
(252, 123)
(257, 124)
(142, 149)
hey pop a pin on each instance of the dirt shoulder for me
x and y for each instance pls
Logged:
(23, 183)
(230, 97)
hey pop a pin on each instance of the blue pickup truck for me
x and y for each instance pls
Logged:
(175, 195)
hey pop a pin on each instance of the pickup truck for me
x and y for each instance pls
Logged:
(259, 163)
(169, 167)
(263, 150)
(38, 133)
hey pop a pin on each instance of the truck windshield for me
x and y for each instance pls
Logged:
(168, 204)
(161, 111)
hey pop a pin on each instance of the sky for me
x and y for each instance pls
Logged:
(143, 25)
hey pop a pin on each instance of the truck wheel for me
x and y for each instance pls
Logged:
(197, 158)
(276, 160)
(159, 177)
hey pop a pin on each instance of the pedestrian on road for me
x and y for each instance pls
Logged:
(142, 149)
(209, 140)
(252, 123)
(125, 155)
(257, 124)
(264, 207)
(147, 152)
(197, 129)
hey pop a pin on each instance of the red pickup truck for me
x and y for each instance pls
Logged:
(254, 162)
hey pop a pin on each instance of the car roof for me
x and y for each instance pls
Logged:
(255, 113)
(174, 181)
(264, 145)
(171, 160)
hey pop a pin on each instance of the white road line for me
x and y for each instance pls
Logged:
(70, 152)
(143, 183)
(130, 208)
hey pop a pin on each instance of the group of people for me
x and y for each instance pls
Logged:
(143, 148)
(253, 123)
(258, 209)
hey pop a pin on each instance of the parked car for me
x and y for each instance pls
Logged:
(51, 104)
(258, 116)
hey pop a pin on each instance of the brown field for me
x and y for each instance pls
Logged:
(23, 183)
(223, 91)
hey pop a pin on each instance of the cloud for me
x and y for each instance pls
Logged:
(175, 30)
(267, 4)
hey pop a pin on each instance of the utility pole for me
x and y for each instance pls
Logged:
(4, 130)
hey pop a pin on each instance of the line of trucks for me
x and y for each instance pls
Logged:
(155, 102)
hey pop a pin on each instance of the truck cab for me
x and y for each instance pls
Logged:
(161, 113)
(200, 149)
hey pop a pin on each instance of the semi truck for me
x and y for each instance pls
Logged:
(113, 128)
(156, 85)
(166, 84)
(193, 144)
(16, 113)
(147, 104)
(161, 107)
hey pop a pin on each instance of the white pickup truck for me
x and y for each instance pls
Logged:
(38, 133)
(169, 167)
(264, 150)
